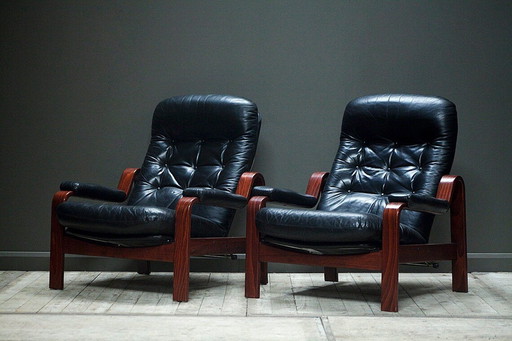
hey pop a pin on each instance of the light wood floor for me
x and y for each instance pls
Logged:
(298, 306)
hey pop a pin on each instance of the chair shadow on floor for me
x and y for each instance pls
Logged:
(158, 282)
(366, 291)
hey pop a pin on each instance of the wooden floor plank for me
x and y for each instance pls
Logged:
(90, 293)
(260, 306)
(106, 298)
(156, 290)
(329, 298)
(369, 289)
(306, 300)
(214, 295)
(469, 303)
(495, 289)
(420, 290)
(42, 295)
(281, 294)
(198, 284)
(26, 294)
(443, 295)
(128, 297)
(7, 277)
(17, 285)
(222, 294)
(234, 301)
(351, 296)
(74, 284)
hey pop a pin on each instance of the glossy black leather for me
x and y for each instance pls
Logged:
(216, 197)
(390, 145)
(93, 191)
(285, 196)
(421, 203)
(196, 141)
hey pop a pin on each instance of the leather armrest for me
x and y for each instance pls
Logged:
(93, 191)
(285, 196)
(423, 203)
(216, 197)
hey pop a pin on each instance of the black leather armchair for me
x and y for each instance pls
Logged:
(180, 203)
(375, 208)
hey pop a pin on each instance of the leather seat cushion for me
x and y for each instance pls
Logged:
(318, 226)
(121, 220)
(312, 226)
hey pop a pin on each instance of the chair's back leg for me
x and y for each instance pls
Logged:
(57, 244)
(263, 273)
(458, 236)
(144, 267)
(330, 274)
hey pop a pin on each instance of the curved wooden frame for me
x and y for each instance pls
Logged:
(177, 252)
(387, 260)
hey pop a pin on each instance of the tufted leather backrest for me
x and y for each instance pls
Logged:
(197, 141)
(392, 144)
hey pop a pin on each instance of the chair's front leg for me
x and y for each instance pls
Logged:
(252, 264)
(389, 267)
(182, 248)
(57, 243)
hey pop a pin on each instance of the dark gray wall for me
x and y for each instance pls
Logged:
(80, 80)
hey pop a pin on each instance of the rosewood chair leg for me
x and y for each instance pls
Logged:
(458, 235)
(252, 279)
(389, 290)
(330, 274)
(56, 266)
(181, 281)
(253, 267)
(390, 245)
(57, 244)
(182, 249)
(460, 275)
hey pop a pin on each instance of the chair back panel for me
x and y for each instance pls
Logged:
(197, 141)
(392, 144)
